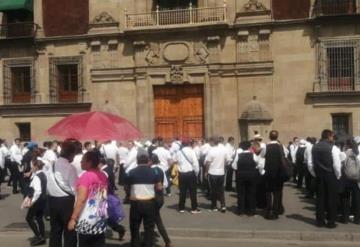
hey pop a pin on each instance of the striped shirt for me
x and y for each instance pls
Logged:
(142, 180)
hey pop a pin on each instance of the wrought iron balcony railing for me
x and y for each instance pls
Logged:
(336, 7)
(17, 30)
(190, 16)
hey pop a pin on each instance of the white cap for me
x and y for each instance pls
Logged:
(257, 136)
(357, 139)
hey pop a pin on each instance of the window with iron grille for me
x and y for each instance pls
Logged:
(339, 65)
(341, 123)
(335, 7)
(24, 131)
(19, 85)
(66, 80)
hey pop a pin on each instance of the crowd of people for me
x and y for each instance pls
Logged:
(75, 184)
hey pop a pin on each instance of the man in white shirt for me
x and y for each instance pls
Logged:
(49, 157)
(77, 159)
(229, 170)
(16, 169)
(215, 161)
(61, 182)
(293, 149)
(175, 146)
(309, 173)
(110, 152)
(123, 153)
(327, 167)
(188, 171)
(130, 164)
(204, 149)
(164, 156)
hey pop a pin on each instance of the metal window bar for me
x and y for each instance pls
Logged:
(54, 77)
(177, 17)
(335, 7)
(338, 65)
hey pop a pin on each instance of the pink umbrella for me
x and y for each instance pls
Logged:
(95, 125)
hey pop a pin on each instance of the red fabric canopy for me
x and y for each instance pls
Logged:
(98, 126)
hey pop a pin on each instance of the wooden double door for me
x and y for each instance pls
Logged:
(179, 111)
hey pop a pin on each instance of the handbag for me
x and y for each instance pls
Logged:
(115, 209)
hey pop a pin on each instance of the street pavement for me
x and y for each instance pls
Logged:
(295, 228)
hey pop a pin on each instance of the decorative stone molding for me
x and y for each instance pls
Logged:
(176, 74)
(152, 51)
(201, 53)
(103, 18)
(253, 45)
(254, 6)
(103, 23)
(176, 52)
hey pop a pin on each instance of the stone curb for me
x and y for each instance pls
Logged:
(263, 235)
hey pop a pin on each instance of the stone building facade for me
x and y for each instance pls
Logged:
(182, 68)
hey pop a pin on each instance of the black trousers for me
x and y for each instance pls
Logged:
(168, 177)
(246, 195)
(35, 219)
(350, 197)
(142, 211)
(217, 190)
(273, 188)
(121, 175)
(17, 178)
(301, 175)
(229, 178)
(187, 182)
(327, 187)
(310, 184)
(60, 212)
(92, 240)
(160, 226)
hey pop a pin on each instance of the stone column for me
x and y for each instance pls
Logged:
(143, 101)
(41, 75)
(214, 104)
(38, 18)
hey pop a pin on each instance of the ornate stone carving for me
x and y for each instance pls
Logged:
(103, 18)
(254, 6)
(176, 52)
(201, 53)
(152, 53)
(176, 74)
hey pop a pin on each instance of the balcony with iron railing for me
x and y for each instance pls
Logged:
(17, 30)
(336, 7)
(177, 17)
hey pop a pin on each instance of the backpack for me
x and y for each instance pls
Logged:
(351, 167)
(300, 155)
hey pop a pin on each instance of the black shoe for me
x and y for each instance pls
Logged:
(15, 192)
(38, 241)
(344, 220)
(269, 216)
(121, 235)
(320, 223)
(331, 225)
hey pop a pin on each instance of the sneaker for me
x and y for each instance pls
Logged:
(121, 235)
(213, 210)
(196, 211)
(168, 194)
(223, 210)
(182, 211)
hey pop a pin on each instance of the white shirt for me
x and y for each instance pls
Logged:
(5, 150)
(189, 163)
(130, 162)
(77, 164)
(217, 158)
(293, 150)
(308, 158)
(204, 149)
(175, 146)
(36, 185)
(66, 176)
(110, 151)
(164, 156)
(336, 161)
(231, 152)
(197, 152)
(15, 154)
(166, 182)
(49, 159)
(2, 160)
(24, 151)
(123, 153)
(234, 164)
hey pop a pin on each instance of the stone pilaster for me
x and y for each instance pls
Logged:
(139, 53)
(143, 101)
(213, 44)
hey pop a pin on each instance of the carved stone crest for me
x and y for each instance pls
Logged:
(152, 54)
(254, 5)
(176, 74)
(103, 18)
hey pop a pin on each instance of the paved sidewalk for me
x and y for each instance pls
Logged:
(296, 225)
